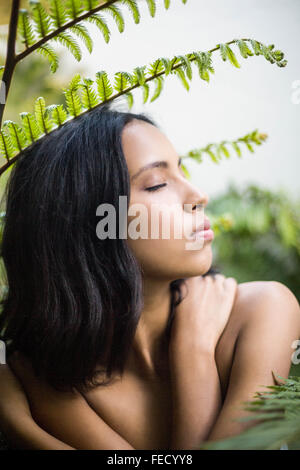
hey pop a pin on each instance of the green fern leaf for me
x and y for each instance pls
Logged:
(68, 41)
(105, 89)
(152, 7)
(47, 51)
(167, 64)
(122, 80)
(17, 135)
(223, 51)
(25, 28)
(101, 24)
(181, 75)
(42, 21)
(158, 66)
(139, 75)
(208, 150)
(256, 47)
(237, 149)
(73, 8)
(6, 146)
(159, 82)
(201, 61)
(145, 92)
(58, 13)
(81, 31)
(129, 98)
(45, 123)
(244, 49)
(89, 96)
(167, 4)
(117, 16)
(89, 5)
(185, 170)
(1, 71)
(223, 149)
(186, 65)
(184, 1)
(133, 8)
(73, 101)
(231, 56)
(58, 114)
(31, 128)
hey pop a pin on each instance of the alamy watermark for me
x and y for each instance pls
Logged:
(183, 223)
(2, 352)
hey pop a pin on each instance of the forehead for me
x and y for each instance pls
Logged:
(143, 143)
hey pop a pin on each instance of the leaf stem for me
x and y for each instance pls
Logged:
(11, 53)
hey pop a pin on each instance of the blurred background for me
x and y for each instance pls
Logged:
(258, 193)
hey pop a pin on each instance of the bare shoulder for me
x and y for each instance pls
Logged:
(262, 301)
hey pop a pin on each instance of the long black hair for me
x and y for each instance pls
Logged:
(73, 301)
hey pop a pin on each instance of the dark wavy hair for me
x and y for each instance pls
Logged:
(73, 301)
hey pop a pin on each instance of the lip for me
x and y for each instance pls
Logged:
(203, 227)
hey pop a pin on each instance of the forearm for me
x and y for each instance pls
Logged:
(196, 399)
(24, 433)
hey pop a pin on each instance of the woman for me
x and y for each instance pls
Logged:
(125, 343)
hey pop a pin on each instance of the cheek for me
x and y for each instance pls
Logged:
(166, 257)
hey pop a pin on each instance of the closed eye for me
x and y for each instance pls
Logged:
(155, 188)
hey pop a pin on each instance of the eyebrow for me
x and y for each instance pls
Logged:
(158, 164)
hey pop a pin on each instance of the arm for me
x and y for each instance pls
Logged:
(15, 418)
(195, 386)
(65, 415)
(272, 323)
(196, 392)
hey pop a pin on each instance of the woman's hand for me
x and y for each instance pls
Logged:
(201, 317)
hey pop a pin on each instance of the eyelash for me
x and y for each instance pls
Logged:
(155, 188)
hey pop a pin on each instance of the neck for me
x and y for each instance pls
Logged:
(149, 351)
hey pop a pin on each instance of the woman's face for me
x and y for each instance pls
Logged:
(166, 258)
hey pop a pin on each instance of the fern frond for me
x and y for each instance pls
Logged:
(17, 135)
(1, 71)
(216, 150)
(139, 75)
(47, 51)
(90, 4)
(181, 75)
(25, 28)
(73, 101)
(58, 114)
(117, 16)
(129, 98)
(167, 4)
(227, 53)
(146, 90)
(244, 49)
(68, 41)
(73, 8)
(133, 8)
(45, 123)
(58, 13)
(152, 7)
(159, 65)
(186, 65)
(30, 126)
(105, 89)
(101, 24)
(6, 146)
(81, 31)
(159, 82)
(42, 21)
(122, 80)
(89, 96)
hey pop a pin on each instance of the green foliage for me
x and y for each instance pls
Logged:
(263, 241)
(278, 409)
(216, 151)
(62, 18)
(125, 82)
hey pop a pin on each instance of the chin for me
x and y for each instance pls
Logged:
(199, 262)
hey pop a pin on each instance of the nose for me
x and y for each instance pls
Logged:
(196, 200)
